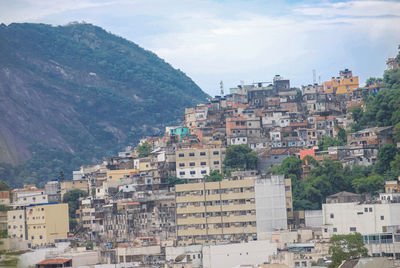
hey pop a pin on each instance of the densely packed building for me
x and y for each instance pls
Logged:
(157, 207)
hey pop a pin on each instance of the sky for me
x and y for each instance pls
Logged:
(237, 41)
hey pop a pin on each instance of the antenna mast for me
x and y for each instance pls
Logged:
(314, 76)
(221, 86)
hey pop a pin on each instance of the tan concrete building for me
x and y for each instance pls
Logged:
(67, 186)
(208, 212)
(16, 224)
(45, 223)
(194, 163)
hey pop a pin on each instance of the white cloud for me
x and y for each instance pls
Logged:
(243, 40)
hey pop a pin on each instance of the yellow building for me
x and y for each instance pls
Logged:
(343, 84)
(16, 224)
(120, 174)
(289, 202)
(207, 212)
(194, 163)
(392, 186)
(67, 186)
(45, 223)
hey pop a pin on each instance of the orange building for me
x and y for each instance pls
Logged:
(345, 83)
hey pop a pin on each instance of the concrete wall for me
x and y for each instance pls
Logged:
(233, 255)
(194, 252)
(270, 204)
(313, 218)
(339, 218)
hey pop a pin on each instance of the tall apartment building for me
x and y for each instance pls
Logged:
(39, 224)
(16, 224)
(230, 210)
(194, 163)
(47, 222)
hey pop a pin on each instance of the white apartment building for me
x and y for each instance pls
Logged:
(345, 218)
(194, 163)
(29, 196)
(16, 224)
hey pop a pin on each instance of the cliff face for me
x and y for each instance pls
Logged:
(82, 92)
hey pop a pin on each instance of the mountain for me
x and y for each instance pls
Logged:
(70, 95)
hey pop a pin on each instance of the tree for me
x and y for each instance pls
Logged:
(214, 176)
(396, 130)
(240, 157)
(72, 198)
(172, 181)
(144, 149)
(346, 247)
(386, 155)
(290, 165)
(328, 142)
(371, 184)
(4, 186)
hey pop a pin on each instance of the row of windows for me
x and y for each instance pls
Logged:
(217, 214)
(192, 172)
(217, 191)
(217, 225)
(192, 164)
(217, 203)
(201, 154)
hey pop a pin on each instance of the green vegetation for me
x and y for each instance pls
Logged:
(326, 178)
(214, 176)
(172, 181)
(98, 93)
(240, 157)
(346, 247)
(144, 150)
(72, 198)
(328, 141)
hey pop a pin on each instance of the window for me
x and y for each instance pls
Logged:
(215, 152)
(182, 173)
(181, 164)
(370, 209)
(332, 216)
(365, 209)
(203, 163)
(334, 230)
(191, 154)
(40, 237)
(181, 155)
(192, 172)
(204, 172)
(382, 218)
(216, 162)
(192, 164)
(353, 229)
(202, 153)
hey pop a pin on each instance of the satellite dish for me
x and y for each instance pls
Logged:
(180, 258)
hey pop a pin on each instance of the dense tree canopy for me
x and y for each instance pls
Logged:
(214, 176)
(144, 149)
(240, 157)
(325, 178)
(346, 247)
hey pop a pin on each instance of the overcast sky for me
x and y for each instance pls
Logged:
(239, 40)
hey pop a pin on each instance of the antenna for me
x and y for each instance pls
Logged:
(314, 76)
(319, 80)
(221, 86)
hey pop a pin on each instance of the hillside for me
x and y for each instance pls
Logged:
(70, 95)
